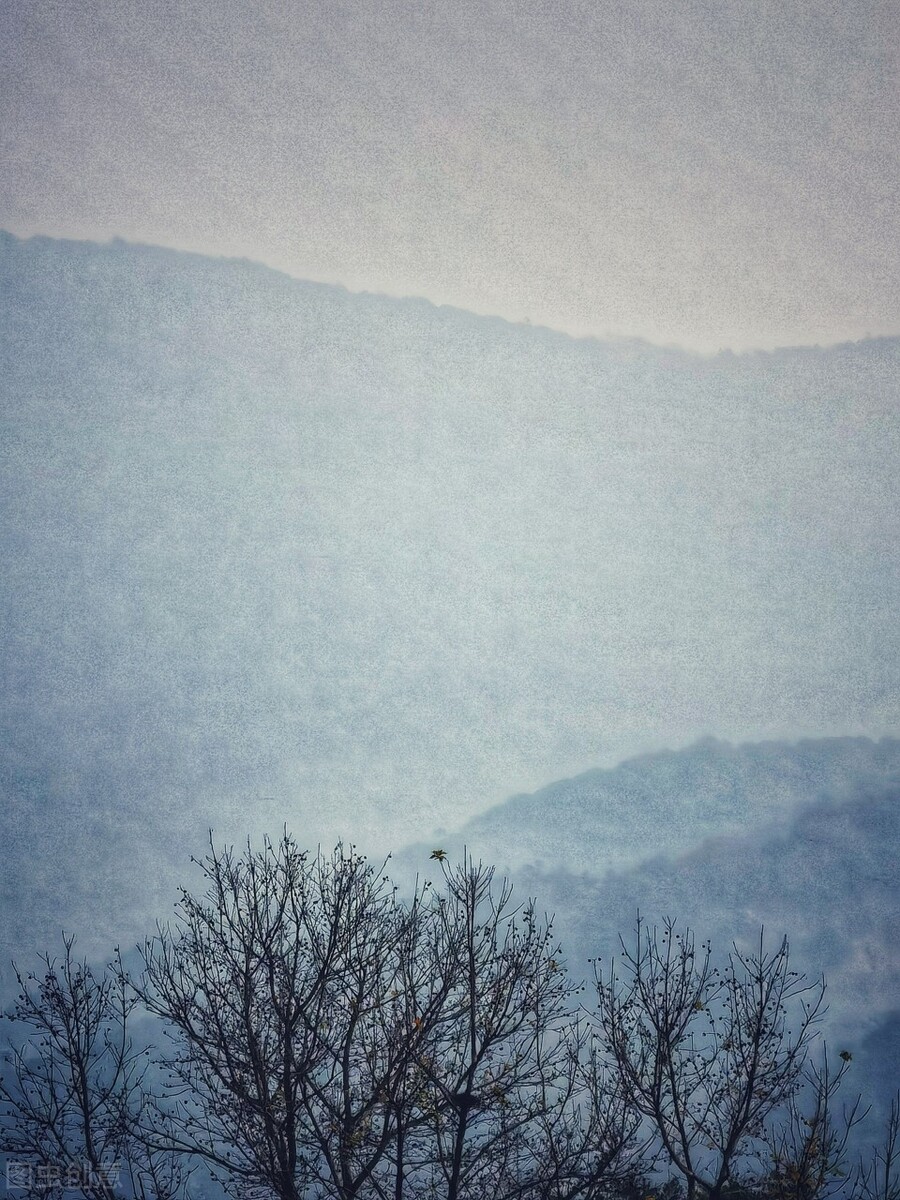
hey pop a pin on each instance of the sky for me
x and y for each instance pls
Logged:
(708, 174)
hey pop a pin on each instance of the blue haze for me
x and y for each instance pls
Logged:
(278, 553)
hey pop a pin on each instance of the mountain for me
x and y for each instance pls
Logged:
(803, 839)
(669, 801)
(828, 880)
(273, 552)
(799, 840)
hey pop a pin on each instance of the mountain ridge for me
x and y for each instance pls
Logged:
(820, 870)
(623, 342)
(713, 788)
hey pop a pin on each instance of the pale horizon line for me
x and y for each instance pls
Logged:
(175, 246)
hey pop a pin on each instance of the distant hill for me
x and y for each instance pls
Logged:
(828, 879)
(668, 802)
(801, 840)
(272, 552)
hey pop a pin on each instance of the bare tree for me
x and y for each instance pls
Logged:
(583, 1143)
(878, 1177)
(705, 1055)
(333, 1040)
(809, 1145)
(282, 989)
(330, 1040)
(74, 1085)
(384, 992)
(507, 1082)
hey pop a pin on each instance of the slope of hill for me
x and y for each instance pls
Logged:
(828, 879)
(801, 840)
(273, 552)
(669, 801)
(824, 873)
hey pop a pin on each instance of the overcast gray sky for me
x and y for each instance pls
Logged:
(706, 172)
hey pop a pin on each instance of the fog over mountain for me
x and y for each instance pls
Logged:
(668, 802)
(827, 879)
(810, 850)
(278, 553)
(802, 840)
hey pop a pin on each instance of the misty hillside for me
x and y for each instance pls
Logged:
(803, 838)
(274, 552)
(828, 879)
(668, 801)
(816, 860)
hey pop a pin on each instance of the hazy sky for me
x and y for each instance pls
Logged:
(708, 172)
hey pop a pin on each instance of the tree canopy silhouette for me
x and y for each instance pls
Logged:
(319, 1035)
